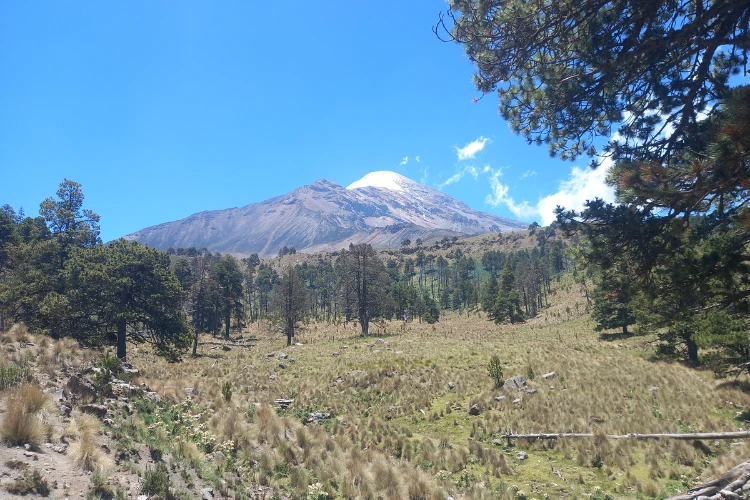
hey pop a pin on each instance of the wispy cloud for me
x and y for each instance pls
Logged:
(425, 174)
(581, 185)
(404, 161)
(471, 149)
(416, 158)
(528, 173)
(470, 170)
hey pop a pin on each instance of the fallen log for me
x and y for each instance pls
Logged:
(684, 436)
(732, 484)
(232, 343)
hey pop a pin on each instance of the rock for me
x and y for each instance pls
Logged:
(529, 390)
(521, 455)
(80, 386)
(336, 354)
(226, 347)
(29, 454)
(270, 354)
(380, 341)
(60, 448)
(108, 421)
(283, 355)
(345, 347)
(297, 344)
(499, 398)
(207, 493)
(133, 372)
(653, 389)
(219, 456)
(497, 442)
(549, 376)
(142, 497)
(99, 411)
(152, 396)
(517, 382)
(272, 377)
(451, 385)
(517, 401)
(399, 352)
(292, 360)
(475, 410)
(27, 447)
(282, 365)
(318, 417)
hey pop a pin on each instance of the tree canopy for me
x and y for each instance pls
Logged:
(567, 71)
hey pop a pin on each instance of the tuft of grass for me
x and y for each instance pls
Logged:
(85, 450)
(21, 424)
(156, 482)
(31, 481)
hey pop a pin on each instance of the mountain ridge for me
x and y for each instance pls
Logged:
(382, 209)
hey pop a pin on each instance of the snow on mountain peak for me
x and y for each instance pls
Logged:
(382, 179)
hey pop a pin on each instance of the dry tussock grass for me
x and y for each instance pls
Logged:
(23, 420)
(85, 450)
(380, 442)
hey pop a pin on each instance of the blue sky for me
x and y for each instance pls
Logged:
(164, 109)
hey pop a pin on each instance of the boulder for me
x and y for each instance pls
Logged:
(499, 398)
(517, 401)
(451, 385)
(283, 355)
(282, 365)
(80, 386)
(318, 417)
(99, 411)
(226, 347)
(517, 382)
(475, 410)
(521, 455)
(207, 494)
(549, 376)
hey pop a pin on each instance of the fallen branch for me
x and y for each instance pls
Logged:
(684, 436)
(733, 484)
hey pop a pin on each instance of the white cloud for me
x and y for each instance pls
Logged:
(581, 185)
(471, 170)
(425, 175)
(404, 161)
(528, 173)
(416, 158)
(471, 149)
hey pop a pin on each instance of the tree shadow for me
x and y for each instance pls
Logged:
(743, 385)
(611, 337)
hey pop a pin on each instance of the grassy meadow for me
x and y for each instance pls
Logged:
(399, 403)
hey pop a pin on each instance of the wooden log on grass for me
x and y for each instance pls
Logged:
(684, 436)
(733, 484)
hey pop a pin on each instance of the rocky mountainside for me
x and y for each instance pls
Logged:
(382, 209)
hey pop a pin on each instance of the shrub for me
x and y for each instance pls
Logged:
(226, 391)
(100, 488)
(495, 370)
(156, 481)
(30, 482)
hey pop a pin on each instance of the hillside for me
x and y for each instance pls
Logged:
(382, 209)
(393, 411)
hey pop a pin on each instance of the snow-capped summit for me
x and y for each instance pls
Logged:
(382, 179)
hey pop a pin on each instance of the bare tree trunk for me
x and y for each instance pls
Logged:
(121, 344)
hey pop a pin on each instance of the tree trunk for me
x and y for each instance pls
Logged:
(2, 320)
(121, 345)
(227, 318)
(692, 348)
(624, 330)
(195, 343)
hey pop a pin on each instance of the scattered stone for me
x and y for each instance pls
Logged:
(380, 341)
(80, 387)
(549, 376)
(282, 365)
(207, 493)
(336, 353)
(133, 372)
(297, 344)
(152, 396)
(292, 360)
(318, 417)
(598, 420)
(517, 382)
(108, 421)
(272, 377)
(27, 446)
(345, 347)
(522, 455)
(499, 398)
(142, 497)
(270, 354)
(451, 385)
(497, 442)
(283, 355)
(29, 454)
(99, 411)
(399, 352)
(60, 448)
(653, 389)
(226, 347)
(283, 403)
(391, 409)
(474, 410)
(529, 390)
(517, 401)
(219, 456)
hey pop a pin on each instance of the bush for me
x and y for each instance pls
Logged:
(156, 481)
(495, 370)
(226, 391)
